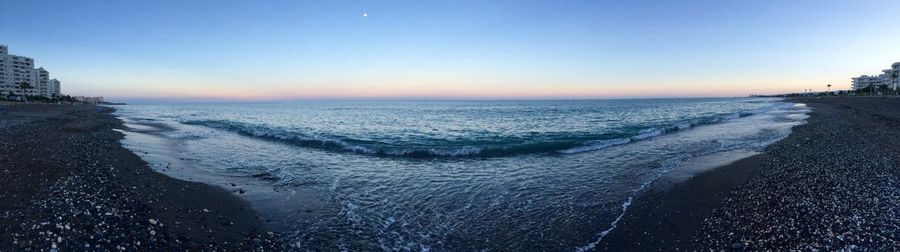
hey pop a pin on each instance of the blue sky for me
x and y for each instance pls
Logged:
(451, 49)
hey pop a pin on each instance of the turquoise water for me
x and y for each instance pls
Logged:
(451, 175)
(460, 129)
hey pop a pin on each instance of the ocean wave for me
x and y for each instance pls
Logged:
(679, 126)
(647, 133)
(262, 131)
(497, 148)
(379, 148)
(597, 145)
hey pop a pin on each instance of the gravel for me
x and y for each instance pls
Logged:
(832, 185)
(69, 184)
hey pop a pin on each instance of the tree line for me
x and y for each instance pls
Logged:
(25, 86)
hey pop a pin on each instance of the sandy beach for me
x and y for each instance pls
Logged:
(68, 183)
(831, 185)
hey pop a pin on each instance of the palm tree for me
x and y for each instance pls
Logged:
(894, 81)
(870, 90)
(829, 88)
(25, 86)
(883, 89)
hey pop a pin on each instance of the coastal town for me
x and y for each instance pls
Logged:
(19, 80)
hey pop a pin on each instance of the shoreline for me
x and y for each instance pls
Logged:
(655, 203)
(142, 128)
(665, 215)
(162, 154)
(72, 185)
(737, 206)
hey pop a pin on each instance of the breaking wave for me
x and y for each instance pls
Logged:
(567, 144)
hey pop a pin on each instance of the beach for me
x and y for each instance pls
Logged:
(831, 185)
(69, 184)
(446, 175)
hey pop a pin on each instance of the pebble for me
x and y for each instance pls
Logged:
(88, 203)
(839, 191)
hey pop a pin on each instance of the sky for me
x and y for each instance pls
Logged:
(284, 50)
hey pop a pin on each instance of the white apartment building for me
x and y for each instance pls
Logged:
(888, 77)
(40, 82)
(894, 73)
(863, 81)
(15, 69)
(88, 99)
(53, 88)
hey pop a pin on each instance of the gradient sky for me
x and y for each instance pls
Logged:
(451, 49)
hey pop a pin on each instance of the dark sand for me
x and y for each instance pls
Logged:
(665, 216)
(831, 185)
(68, 182)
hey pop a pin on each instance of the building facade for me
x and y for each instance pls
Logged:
(864, 81)
(15, 70)
(895, 75)
(40, 83)
(888, 77)
(88, 99)
(54, 88)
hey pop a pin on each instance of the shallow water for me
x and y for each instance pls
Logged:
(503, 175)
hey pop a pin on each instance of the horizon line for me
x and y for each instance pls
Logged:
(239, 100)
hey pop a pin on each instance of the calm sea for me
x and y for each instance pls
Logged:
(445, 175)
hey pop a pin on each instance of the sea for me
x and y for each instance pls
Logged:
(446, 175)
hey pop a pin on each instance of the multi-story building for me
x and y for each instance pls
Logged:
(87, 99)
(894, 73)
(40, 83)
(884, 79)
(54, 87)
(15, 70)
(888, 77)
(863, 81)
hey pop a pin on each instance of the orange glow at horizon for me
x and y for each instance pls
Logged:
(449, 91)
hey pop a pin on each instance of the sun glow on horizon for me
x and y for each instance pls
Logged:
(481, 50)
(380, 91)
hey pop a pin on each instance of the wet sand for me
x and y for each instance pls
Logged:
(831, 185)
(665, 215)
(69, 183)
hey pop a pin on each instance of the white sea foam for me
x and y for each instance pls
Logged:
(396, 203)
(597, 145)
(799, 111)
(647, 133)
(464, 151)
